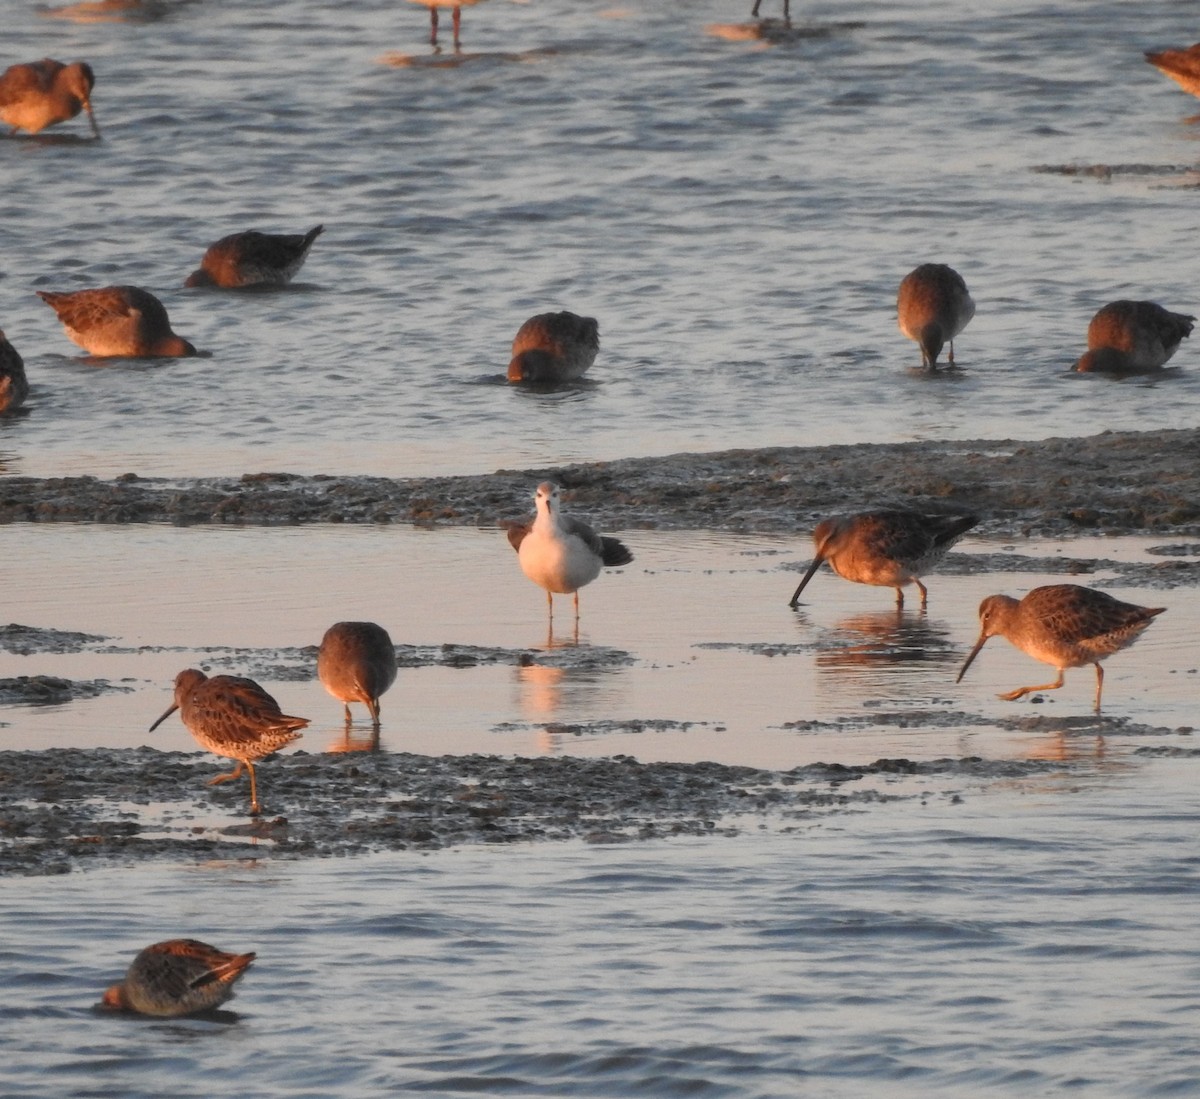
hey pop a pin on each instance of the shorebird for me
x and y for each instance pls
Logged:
(433, 6)
(232, 717)
(933, 307)
(254, 259)
(178, 977)
(787, 15)
(14, 386)
(562, 554)
(40, 93)
(886, 548)
(554, 347)
(1130, 337)
(357, 663)
(122, 321)
(1182, 66)
(1063, 625)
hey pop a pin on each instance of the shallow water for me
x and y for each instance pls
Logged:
(738, 216)
(691, 653)
(1018, 942)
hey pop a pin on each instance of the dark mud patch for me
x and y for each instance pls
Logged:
(608, 727)
(760, 648)
(298, 664)
(1170, 573)
(1124, 482)
(27, 640)
(1163, 174)
(50, 690)
(68, 809)
(1039, 724)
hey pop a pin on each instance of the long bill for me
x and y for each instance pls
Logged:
(171, 709)
(87, 106)
(816, 564)
(971, 656)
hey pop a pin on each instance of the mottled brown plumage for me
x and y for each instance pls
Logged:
(254, 259)
(885, 548)
(357, 663)
(14, 386)
(117, 321)
(178, 977)
(1133, 337)
(554, 347)
(41, 93)
(1182, 66)
(1063, 625)
(232, 717)
(932, 307)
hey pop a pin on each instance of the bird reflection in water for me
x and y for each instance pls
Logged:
(355, 739)
(540, 689)
(1064, 745)
(562, 678)
(884, 639)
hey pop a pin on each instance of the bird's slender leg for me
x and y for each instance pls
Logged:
(899, 597)
(433, 24)
(950, 355)
(235, 773)
(787, 11)
(349, 716)
(577, 606)
(550, 606)
(373, 709)
(457, 22)
(1099, 685)
(924, 592)
(1021, 692)
(254, 806)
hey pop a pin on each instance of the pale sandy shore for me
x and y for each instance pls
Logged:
(1113, 482)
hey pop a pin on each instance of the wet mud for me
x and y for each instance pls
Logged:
(69, 809)
(1115, 482)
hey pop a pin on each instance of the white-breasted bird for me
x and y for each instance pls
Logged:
(562, 554)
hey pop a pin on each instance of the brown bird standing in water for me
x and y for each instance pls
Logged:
(177, 977)
(932, 307)
(886, 548)
(232, 717)
(554, 347)
(117, 322)
(1133, 337)
(41, 93)
(1182, 66)
(357, 663)
(254, 259)
(14, 386)
(1063, 625)
(457, 5)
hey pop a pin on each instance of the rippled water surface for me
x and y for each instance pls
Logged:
(1038, 942)
(738, 216)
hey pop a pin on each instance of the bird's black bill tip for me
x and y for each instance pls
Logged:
(163, 718)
